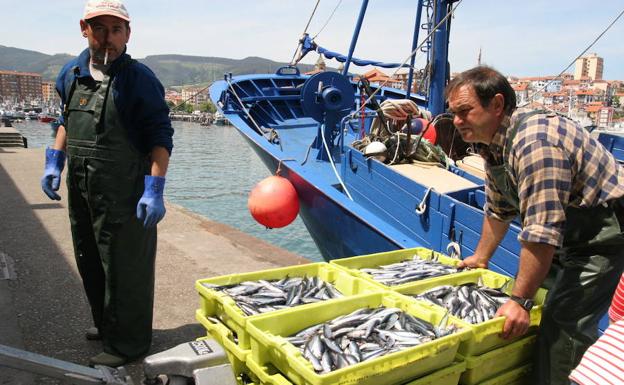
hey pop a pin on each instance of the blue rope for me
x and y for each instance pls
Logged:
(308, 45)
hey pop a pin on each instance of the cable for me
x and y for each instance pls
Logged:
(192, 96)
(575, 59)
(327, 22)
(449, 14)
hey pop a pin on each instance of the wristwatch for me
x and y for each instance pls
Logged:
(526, 303)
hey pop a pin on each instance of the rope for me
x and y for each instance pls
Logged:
(279, 165)
(576, 58)
(413, 53)
(396, 152)
(453, 249)
(422, 206)
(331, 160)
(305, 30)
(399, 109)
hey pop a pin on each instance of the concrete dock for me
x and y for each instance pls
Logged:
(43, 308)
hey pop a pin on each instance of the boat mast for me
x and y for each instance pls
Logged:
(438, 59)
(354, 39)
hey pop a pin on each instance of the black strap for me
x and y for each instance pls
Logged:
(76, 70)
(72, 88)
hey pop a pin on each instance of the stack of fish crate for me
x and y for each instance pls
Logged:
(488, 357)
(263, 347)
(226, 321)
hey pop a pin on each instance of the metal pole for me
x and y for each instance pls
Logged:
(356, 34)
(69, 372)
(410, 78)
(440, 60)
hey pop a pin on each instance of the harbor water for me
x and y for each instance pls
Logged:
(211, 173)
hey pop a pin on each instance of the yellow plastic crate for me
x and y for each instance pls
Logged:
(446, 376)
(220, 305)
(486, 335)
(491, 364)
(268, 345)
(224, 337)
(354, 264)
(518, 376)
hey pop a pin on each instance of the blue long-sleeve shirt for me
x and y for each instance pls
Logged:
(138, 96)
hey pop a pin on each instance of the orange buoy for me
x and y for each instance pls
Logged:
(420, 124)
(273, 202)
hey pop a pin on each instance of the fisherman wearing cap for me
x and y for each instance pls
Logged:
(117, 137)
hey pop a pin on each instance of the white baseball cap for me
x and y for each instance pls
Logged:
(95, 8)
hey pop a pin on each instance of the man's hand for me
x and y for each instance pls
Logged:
(51, 180)
(151, 207)
(474, 261)
(517, 322)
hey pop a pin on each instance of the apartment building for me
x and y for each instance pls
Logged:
(589, 66)
(20, 86)
(49, 94)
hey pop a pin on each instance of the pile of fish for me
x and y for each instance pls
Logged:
(255, 297)
(471, 302)
(363, 335)
(408, 271)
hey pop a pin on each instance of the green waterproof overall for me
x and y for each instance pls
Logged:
(585, 273)
(114, 252)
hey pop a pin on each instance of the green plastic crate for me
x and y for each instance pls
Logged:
(446, 376)
(518, 376)
(486, 335)
(354, 264)
(268, 345)
(497, 362)
(220, 305)
(267, 374)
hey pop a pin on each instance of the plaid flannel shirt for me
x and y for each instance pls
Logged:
(555, 164)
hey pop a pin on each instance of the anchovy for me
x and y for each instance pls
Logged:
(372, 333)
(471, 302)
(408, 271)
(255, 297)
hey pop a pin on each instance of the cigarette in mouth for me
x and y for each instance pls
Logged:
(106, 57)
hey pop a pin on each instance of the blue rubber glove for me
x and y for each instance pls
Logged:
(51, 181)
(151, 207)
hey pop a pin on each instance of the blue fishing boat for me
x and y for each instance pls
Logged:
(307, 129)
(613, 143)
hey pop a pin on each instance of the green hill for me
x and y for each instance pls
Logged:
(172, 70)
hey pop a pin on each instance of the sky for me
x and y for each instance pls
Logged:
(519, 38)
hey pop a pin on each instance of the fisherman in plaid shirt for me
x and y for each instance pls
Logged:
(568, 191)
